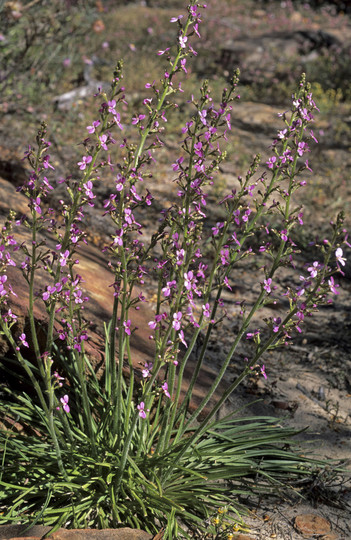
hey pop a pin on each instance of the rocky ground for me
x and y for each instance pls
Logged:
(309, 383)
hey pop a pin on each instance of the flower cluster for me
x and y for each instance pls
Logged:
(191, 255)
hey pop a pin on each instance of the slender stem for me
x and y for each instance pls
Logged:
(69, 220)
(91, 426)
(274, 338)
(268, 344)
(130, 386)
(48, 410)
(166, 91)
(144, 135)
(125, 452)
(250, 227)
(31, 300)
(51, 421)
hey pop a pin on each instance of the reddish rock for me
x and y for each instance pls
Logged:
(26, 537)
(107, 534)
(97, 280)
(14, 532)
(312, 525)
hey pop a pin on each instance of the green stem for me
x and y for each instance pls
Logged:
(131, 384)
(275, 178)
(118, 397)
(274, 338)
(69, 220)
(144, 135)
(166, 91)
(52, 424)
(222, 241)
(31, 298)
(48, 411)
(260, 351)
(91, 426)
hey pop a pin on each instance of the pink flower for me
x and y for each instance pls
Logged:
(313, 136)
(117, 119)
(226, 283)
(63, 258)
(141, 409)
(165, 390)
(267, 285)
(333, 286)
(206, 310)
(302, 147)
(49, 291)
(182, 339)
(202, 268)
(282, 133)
(167, 290)
(111, 106)
(120, 181)
(313, 270)
(182, 41)
(177, 164)
(271, 161)
(188, 279)
(339, 257)
(225, 257)
(46, 163)
(152, 325)
(137, 119)
(3, 280)
(58, 378)
(10, 315)
(283, 235)
(203, 115)
(263, 371)
(147, 368)
(85, 161)
(88, 186)
(307, 167)
(64, 401)
(160, 53)
(180, 253)
(176, 320)
(175, 19)
(216, 229)
(23, 341)
(36, 204)
(126, 325)
(276, 324)
(118, 239)
(103, 141)
(251, 335)
(196, 30)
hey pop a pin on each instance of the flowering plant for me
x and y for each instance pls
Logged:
(126, 450)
